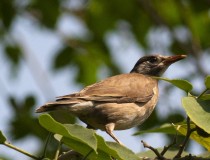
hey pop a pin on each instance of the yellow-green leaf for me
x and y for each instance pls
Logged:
(165, 128)
(78, 138)
(204, 141)
(198, 111)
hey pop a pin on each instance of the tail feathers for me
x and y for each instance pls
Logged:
(72, 106)
(51, 106)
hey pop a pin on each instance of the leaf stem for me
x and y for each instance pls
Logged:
(183, 145)
(58, 151)
(46, 144)
(20, 150)
(202, 93)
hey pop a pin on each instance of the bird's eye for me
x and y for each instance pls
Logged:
(153, 60)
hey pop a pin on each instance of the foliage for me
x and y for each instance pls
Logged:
(88, 144)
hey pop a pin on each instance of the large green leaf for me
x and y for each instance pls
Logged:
(77, 137)
(204, 141)
(166, 128)
(180, 83)
(198, 111)
(207, 82)
(2, 138)
(116, 150)
(85, 141)
(123, 152)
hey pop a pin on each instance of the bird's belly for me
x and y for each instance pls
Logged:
(124, 116)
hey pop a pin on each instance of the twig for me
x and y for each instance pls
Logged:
(70, 155)
(153, 149)
(166, 148)
(46, 144)
(202, 93)
(183, 145)
(58, 151)
(20, 150)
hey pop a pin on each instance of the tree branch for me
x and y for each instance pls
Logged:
(183, 145)
(159, 156)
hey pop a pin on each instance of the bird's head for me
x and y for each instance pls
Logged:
(155, 65)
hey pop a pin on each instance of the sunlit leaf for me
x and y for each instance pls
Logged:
(115, 150)
(180, 83)
(166, 128)
(198, 111)
(123, 152)
(77, 137)
(204, 141)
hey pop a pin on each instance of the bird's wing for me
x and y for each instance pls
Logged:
(124, 88)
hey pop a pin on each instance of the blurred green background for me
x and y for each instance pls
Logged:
(54, 47)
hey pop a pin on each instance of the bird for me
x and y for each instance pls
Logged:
(119, 102)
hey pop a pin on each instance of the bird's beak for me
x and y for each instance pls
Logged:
(171, 59)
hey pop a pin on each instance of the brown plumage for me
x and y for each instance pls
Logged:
(119, 102)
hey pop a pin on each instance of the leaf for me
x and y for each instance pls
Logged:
(165, 128)
(205, 97)
(8, 13)
(13, 53)
(115, 150)
(123, 152)
(77, 137)
(198, 111)
(63, 58)
(180, 83)
(48, 10)
(2, 138)
(204, 141)
(207, 82)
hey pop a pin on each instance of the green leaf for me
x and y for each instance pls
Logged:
(115, 150)
(77, 137)
(207, 82)
(13, 53)
(205, 97)
(198, 111)
(180, 83)
(204, 141)
(165, 128)
(2, 138)
(85, 140)
(123, 152)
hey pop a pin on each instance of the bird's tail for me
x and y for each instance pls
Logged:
(75, 107)
(51, 106)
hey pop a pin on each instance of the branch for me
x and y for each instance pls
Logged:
(70, 155)
(159, 156)
(166, 148)
(20, 150)
(183, 145)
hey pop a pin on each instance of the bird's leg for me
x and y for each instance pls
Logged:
(109, 128)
